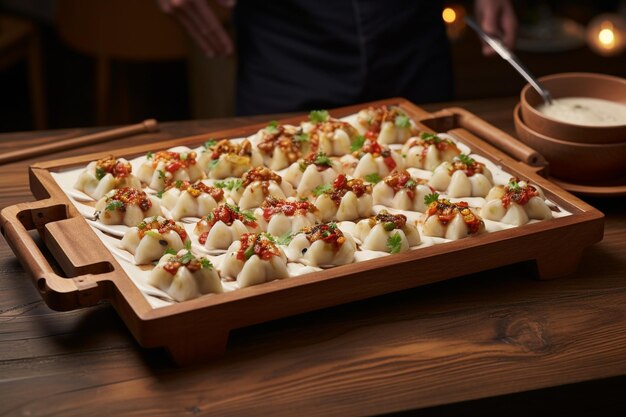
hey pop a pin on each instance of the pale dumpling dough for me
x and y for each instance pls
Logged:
(185, 199)
(254, 259)
(223, 226)
(322, 245)
(258, 183)
(127, 206)
(165, 167)
(278, 217)
(346, 199)
(331, 136)
(400, 191)
(311, 172)
(104, 175)
(385, 124)
(461, 179)
(184, 277)
(149, 240)
(372, 159)
(515, 204)
(387, 233)
(226, 158)
(428, 151)
(278, 146)
(451, 220)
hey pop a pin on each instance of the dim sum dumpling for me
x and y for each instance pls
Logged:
(400, 191)
(227, 158)
(373, 158)
(311, 172)
(165, 167)
(322, 245)
(257, 184)
(450, 220)
(516, 203)
(254, 259)
(224, 225)
(464, 177)
(278, 146)
(127, 206)
(428, 151)
(279, 217)
(104, 175)
(186, 199)
(387, 232)
(385, 124)
(184, 276)
(345, 199)
(151, 238)
(326, 134)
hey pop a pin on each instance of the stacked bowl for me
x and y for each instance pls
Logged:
(577, 153)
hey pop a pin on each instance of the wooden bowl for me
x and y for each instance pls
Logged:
(572, 161)
(574, 85)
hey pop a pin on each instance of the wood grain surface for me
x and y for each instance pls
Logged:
(483, 335)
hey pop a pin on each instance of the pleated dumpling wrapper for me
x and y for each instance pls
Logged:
(387, 232)
(463, 177)
(372, 159)
(279, 146)
(326, 134)
(311, 172)
(516, 203)
(428, 151)
(104, 175)
(225, 225)
(278, 217)
(344, 199)
(254, 259)
(226, 158)
(150, 239)
(401, 191)
(257, 184)
(187, 199)
(165, 167)
(183, 276)
(450, 220)
(385, 124)
(127, 206)
(322, 245)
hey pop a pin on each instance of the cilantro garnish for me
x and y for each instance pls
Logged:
(410, 184)
(205, 263)
(186, 258)
(170, 251)
(431, 198)
(318, 116)
(403, 121)
(513, 185)
(247, 215)
(188, 245)
(153, 234)
(394, 243)
(285, 239)
(357, 143)
(178, 184)
(322, 189)
(230, 185)
(249, 251)
(430, 137)
(209, 143)
(272, 126)
(149, 155)
(159, 193)
(115, 204)
(211, 165)
(466, 159)
(161, 174)
(373, 178)
(301, 137)
(322, 159)
(389, 226)
(183, 156)
(100, 173)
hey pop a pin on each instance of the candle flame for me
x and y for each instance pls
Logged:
(448, 15)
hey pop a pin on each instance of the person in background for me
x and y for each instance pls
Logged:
(297, 55)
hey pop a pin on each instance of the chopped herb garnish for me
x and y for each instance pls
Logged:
(230, 185)
(100, 173)
(318, 116)
(410, 184)
(249, 251)
(322, 189)
(268, 237)
(430, 137)
(188, 245)
(178, 183)
(394, 243)
(153, 234)
(466, 159)
(183, 156)
(301, 137)
(161, 174)
(357, 143)
(209, 143)
(373, 178)
(403, 121)
(149, 155)
(272, 126)
(115, 204)
(285, 239)
(211, 165)
(170, 251)
(431, 198)
(160, 193)
(389, 226)
(513, 185)
(186, 258)
(322, 159)
(205, 263)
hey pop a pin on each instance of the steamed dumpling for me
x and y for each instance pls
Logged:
(451, 220)
(127, 206)
(322, 245)
(385, 124)
(184, 276)
(464, 177)
(387, 232)
(516, 203)
(279, 217)
(165, 167)
(226, 158)
(259, 183)
(311, 172)
(372, 159)
(254, 259)
(151, 238)
(185, 199)
(400, 191)
(345, 199)
(224, 225)
(279, 146)
(326, 134)
(428, 151)
(104, 175)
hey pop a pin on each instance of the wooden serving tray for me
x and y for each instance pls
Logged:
(198, 329)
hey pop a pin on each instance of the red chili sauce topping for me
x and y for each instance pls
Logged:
(388, 220)
(174, 160)
(256, 244)
(446, 210)
(342, 185)
(162, 227)
(402, 180)
(321, 161)
(129, 196)
(428, 139)
(280, 137)
(226, 214)
(376, 149)
(518, 194)
(197, 188)
(227, 147)
(327, 129)
(263, 175)
(115, 167)
(470, 167)
(272, 206)
(376, 117)
(327, 233)
(190, 262)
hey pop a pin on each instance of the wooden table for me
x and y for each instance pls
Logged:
(484, 336)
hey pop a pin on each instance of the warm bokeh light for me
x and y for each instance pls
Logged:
(453, 15)
(607, 37)
(606, 34)
(448, 15)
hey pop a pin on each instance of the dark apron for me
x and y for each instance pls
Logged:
(300, 55)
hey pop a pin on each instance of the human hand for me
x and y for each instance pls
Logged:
(497, 17)
(201, 24)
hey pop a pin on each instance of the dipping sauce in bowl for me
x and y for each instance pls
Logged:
(585, 111)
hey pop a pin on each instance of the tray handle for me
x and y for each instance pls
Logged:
(89, 281)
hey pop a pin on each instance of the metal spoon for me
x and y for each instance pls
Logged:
(506, 54)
